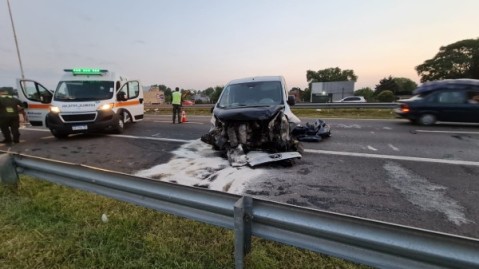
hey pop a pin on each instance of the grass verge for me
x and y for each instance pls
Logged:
(44, 225)
(353, 113)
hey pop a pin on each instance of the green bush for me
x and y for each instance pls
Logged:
(386, 96)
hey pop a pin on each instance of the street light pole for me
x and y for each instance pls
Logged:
(15, 37)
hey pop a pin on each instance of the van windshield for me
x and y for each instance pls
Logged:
(264, 93)
(72, 91)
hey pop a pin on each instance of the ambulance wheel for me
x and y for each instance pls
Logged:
(58, 134)
(127, 117)
(121, 124)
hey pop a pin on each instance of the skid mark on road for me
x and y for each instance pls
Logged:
(424, 194)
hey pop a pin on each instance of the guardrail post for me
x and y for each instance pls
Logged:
(8, 172)
(243, 216)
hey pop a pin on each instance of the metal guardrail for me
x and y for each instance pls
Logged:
(346, 105)
(304, 105)
(360, 240)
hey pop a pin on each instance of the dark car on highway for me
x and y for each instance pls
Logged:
(450, 100)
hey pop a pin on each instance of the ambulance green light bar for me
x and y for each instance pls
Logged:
(86, 71)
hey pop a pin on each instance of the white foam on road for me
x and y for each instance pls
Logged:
(424, 194)
(196, 164)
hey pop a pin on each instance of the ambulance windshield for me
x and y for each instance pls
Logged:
(84, 91)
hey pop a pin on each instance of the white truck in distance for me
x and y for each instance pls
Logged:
(86, 100)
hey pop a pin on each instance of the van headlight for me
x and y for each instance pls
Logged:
(106, 107)
(54, 109)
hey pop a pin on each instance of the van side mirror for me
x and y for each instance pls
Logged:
(291, 100)
(212, 108)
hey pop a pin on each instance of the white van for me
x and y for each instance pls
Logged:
(85, 100)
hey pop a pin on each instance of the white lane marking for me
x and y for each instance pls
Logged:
(446, 132)
(393, 147)
(317, 151)
(125, 136)
(387, 128)
(371, 148)
(392, 157)
(424, 194)
(355, 126)
(36, 129)
(152, 138)
(188, 122)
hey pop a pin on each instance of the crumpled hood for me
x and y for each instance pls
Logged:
(248, 113)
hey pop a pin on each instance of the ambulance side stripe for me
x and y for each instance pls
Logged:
(39, 106)
(128, 103)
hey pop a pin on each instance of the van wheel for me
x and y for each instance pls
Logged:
(58, 134)
(427, 119)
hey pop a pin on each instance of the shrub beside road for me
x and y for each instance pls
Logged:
(353, 113)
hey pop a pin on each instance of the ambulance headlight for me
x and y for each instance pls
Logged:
(106, 107)
(54, 109)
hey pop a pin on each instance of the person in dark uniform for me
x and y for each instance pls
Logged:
(10, 107)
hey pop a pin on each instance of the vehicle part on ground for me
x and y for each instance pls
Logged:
(312, 132)
(255, 158)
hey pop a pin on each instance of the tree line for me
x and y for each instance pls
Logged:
(457, 60)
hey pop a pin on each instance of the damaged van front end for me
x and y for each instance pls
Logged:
(244, 133)
(252, 122)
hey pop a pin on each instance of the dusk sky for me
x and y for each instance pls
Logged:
(201, 44)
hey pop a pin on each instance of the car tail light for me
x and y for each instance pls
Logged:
(404, 108)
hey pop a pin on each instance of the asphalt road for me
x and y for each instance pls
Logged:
(386, 170)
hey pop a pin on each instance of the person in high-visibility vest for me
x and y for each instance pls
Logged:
(10, 107)
(176, 102)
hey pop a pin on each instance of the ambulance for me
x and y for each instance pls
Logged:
(86, 100)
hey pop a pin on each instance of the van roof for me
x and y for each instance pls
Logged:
(259, 78)
(446, 84)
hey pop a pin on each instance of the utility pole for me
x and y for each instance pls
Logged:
(15, 37)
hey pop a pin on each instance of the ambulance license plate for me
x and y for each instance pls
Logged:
(79, 127)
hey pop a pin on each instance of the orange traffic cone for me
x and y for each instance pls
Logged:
(183, 116)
